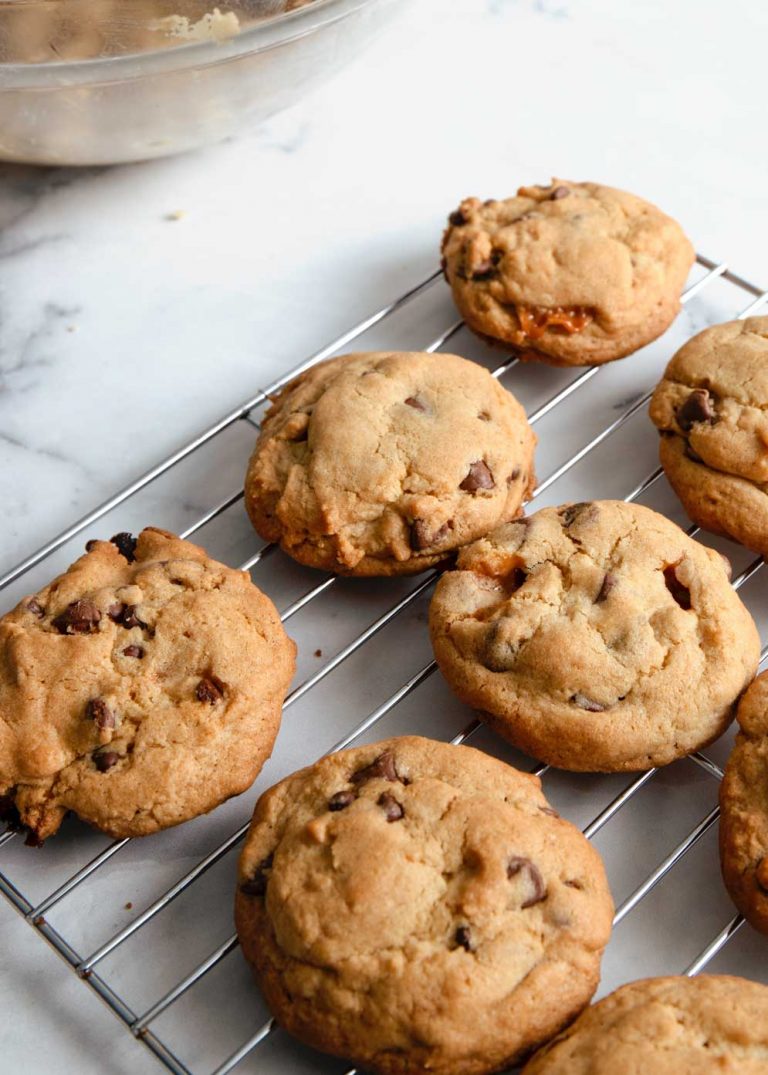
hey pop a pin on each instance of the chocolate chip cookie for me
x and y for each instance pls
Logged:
(595, 636)
(385, 463)
(139, 689)
(708, 1025)
(744, 809)
(572, 274)
(414, 906)
(711, 409)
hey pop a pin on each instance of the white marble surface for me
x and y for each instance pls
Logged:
(125, 332)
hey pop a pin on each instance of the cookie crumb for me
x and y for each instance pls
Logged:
(129, 906)
(318, 653)
(177, 214)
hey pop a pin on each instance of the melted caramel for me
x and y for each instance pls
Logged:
(535, 320)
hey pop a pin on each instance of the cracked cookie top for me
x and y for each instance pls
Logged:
(744, 809)
(413, 906)
(139, 689)
(711, 408)
(705, 1025)
(596, 636)
(570, 273)
(383, 463)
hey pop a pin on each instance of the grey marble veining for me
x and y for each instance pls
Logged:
(139, 304)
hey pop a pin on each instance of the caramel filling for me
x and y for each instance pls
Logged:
(535, 320)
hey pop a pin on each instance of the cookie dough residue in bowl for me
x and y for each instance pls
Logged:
(39, 32)
(213, 26)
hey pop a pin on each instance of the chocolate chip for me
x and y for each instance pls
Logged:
(573, 883)
(257, 885)
(35, 607)
(570, 513)
(129, 617)
(126, 545)
(457, 218)
(462, 938)
(518, 865)
(486, 270)
(382, 768)
(209, 689)
(514, 579)
(513, 476)
(10, 815)
(91, 545)
(99, 712)
(115, 611)
(609, 582)
(422, 537)
(589, 704)
(341, 800)
(558, 193)
(497, 655)
(479, 477)
(105, 760)
(697, 408)
(133, 651)
(8, 810)
(393, 810)
(80, 618)
(680, 592)
(417, 405)
(484, 416)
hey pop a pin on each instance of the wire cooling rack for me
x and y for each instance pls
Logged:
(165, 961)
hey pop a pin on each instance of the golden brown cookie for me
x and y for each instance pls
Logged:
(595, 636)
(139, 689)
(414, 906)
(385, 463)
(711, 409)
(572, 274)
(744, 809)
(707, 1025)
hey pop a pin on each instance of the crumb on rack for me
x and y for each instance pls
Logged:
(177, 214)
(129, 906)
(318, 653)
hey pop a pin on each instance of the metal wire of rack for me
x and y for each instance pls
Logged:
(35, 911)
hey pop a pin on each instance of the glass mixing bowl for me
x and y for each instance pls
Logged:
(104, 81)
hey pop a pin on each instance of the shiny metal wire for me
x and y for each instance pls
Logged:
(139, 1023)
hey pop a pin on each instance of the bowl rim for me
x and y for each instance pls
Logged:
(270, 33)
